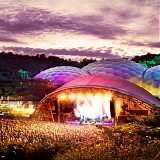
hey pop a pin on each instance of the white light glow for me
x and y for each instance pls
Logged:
(72, 96)
(62, 96)
(91, 106)
(80, 96)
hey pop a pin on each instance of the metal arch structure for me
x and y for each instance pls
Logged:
(114, 84)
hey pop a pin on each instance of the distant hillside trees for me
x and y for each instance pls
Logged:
(149, 60)
(31, 89)
(14, 66)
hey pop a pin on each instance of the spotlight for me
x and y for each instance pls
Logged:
(108, 96)
(80, 96)
(62, 96)
(89, 96)
(72, 96)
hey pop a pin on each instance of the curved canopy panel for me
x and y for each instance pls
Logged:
(151, 80)
(61, 74)
(115, 84)
(121, 68)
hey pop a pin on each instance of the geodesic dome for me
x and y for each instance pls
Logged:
(151, 80)
(105, 75)
(121, 68)
(61, 74)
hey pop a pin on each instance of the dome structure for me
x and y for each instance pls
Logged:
(120, 68)
(100, 89)
(148, 79)
(61, 74)
(151, 80)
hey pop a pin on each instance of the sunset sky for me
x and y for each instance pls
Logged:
(80, 28)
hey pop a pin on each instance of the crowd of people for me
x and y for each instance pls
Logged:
(30, 131)
(15, 133)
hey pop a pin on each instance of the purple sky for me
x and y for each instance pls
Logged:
(80, 28)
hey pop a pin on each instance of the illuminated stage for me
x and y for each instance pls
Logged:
(89, 106)
(95, 98)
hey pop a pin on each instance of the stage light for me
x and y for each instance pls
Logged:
(98, 96)
(89, 96)
(72, 96)
(80, 96)
(108, 96)
(62, 96)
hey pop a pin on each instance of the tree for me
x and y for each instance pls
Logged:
(24, 74)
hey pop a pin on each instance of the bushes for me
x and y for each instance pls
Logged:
(38, 151)
(131, 149)
(45, 151)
